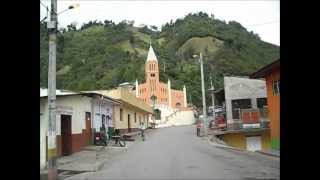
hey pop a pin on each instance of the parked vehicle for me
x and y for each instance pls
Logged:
(220, 121)
(100, 139)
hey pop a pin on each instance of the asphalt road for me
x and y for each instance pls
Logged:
(176, 153)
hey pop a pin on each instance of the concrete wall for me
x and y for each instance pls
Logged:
(182, 118)
(242, 88)
(238, 140)
(76, 106)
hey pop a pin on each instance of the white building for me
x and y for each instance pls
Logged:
(78, 116)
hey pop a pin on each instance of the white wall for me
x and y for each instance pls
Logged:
(73, 105)
(100, 108)
(79, 105)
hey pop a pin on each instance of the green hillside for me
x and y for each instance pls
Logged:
(101, 55)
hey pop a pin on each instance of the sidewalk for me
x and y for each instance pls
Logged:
(90, 159)
(274, 153)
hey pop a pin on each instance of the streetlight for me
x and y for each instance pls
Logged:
(204, 111)
(52, 150)
(70, 7)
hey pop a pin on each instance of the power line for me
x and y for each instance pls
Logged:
(270, 22)
(47, 9)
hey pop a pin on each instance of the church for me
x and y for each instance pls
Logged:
(170, 105)
(165, 95)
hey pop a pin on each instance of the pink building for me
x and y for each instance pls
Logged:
(152, 86)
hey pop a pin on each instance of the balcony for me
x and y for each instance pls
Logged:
(249, 119)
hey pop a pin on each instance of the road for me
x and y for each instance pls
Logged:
(176, 153)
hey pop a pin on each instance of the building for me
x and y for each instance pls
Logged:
(271, 73)
(162, 91)
(244, 97)
(78, 117)
(246, 109)
(167, 100)
(130, 113)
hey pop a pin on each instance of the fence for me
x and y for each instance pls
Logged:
(254, 118)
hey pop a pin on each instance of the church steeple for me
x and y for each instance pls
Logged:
(151, 55)
(152, 71)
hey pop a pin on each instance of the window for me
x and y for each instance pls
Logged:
(261, 102)
(121, 114)
(238, 104)
(135, 117)
(276, 88)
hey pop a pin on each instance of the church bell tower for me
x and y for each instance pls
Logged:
(152, 71)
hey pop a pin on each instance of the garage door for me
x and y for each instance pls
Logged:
(253, 143)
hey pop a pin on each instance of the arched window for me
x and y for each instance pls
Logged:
(178, 105)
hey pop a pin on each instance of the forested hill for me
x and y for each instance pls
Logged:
(101, 55)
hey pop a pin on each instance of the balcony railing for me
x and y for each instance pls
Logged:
(249, 118)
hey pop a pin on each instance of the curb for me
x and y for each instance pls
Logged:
(229, 147)
(224, 146)
(268, 154)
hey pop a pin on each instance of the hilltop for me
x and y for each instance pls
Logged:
(101, 55)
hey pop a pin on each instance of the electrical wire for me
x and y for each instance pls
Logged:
(270, 22)
(47, 9)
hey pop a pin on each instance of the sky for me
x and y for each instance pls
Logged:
(261, 17)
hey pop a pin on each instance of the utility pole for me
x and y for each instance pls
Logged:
(204, 108)
(52, 151)
(212, 91)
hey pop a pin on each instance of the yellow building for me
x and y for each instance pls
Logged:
(130, 113)
(251, 140)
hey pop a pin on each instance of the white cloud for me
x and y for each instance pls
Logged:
(251, 14)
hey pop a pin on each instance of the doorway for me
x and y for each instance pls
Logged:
(66, 135)
(129, 125)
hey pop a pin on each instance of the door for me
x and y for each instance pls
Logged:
(66, 139)
(88, 128)
(253, 143)
(129, 125)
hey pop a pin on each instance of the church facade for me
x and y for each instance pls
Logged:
(152, 86)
